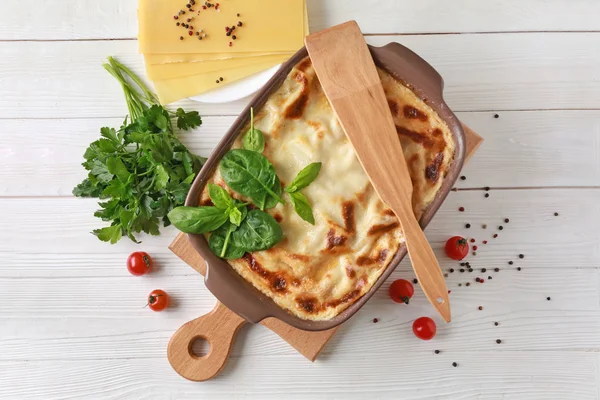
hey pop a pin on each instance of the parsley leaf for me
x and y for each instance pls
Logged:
(187, 120)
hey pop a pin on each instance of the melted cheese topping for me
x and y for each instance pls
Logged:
(318, 270)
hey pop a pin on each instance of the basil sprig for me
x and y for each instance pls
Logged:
(299, 201)
(254, 139)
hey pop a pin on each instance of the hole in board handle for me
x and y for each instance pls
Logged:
(439, 300)
(199, 347)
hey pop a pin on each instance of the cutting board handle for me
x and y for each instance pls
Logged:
(218, 328)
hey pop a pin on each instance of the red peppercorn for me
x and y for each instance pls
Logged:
(204, 7)
(472, 240)
(190, 33)
(175, 17)
(480, 308)
(475, 248)
(226, 29)
(485, 242)
(495, 235)
(230, 44)
(461, 209)
(375, 320)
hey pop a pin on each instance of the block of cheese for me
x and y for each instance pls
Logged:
(170, 90)
(267, 26)
(176, 70)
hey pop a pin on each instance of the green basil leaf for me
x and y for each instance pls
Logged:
(219, 196)
(303, 209)
(110, 234)
(258, 231)
(221, 244)
(235, 216)
(304, 177)
(197, 219)
(251, 174)
(254, 140)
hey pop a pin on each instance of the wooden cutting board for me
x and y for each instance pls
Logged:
(222, 335)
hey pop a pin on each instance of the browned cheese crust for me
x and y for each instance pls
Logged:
(319, 270)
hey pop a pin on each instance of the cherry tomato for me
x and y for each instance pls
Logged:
(424, 328)
(158, 300)
(457, 247)
(401, 291)
(139, 263)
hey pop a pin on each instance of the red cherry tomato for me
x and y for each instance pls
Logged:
(158, 300)
(457, 247)
(139, 263)
(424, 328)
(401, 291)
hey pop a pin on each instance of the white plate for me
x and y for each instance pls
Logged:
(238, 89)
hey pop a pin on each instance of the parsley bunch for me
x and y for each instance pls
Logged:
(141, 171)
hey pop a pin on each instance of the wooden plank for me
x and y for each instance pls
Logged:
(60, 226)
(482, 72)
(108, 19)
(487, 375)
(522, 149)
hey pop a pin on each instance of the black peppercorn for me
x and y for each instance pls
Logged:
(510, 263)
(437, 352)
(468, 284)
(451, 270)
(498, 341)
(478, 280)
(234, 37)
(506, 220)
(489, 277)
(556, 214)
(415, 281)
(467, 226)
(486, 195)
(462, 178)
(483, 269)
(487, 188)
(521, 256)
(180, 37)
(496, 323)
(548, 298)
(228, 33)
(518, 268)
(178, 23)
(500, 227)
(217, 81)
(454, 364)
(497, 269)
(470, 269)
(462, 270)
(496, 116)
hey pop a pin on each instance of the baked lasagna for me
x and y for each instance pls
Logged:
(317, 271)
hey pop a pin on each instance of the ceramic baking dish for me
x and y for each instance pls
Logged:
(240, 295)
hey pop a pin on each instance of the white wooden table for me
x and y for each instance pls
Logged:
(72, 322)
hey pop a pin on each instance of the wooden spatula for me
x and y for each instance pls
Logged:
(349, 78)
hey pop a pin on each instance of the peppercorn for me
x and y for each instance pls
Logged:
(496, 323)
(178, 23)
(197, 33)
(500, 227)
(487, 188)
(461, 209)
(497, 269)
(230, 44)
(548, 298)
(451, 270)
(191, 27)
(462, 178)
(467, 226)
(221, 78)
(470, 269)
(489, 277)
(180, 37)
(188, 5)
(498, 341)
(437, 352)
(234, 37)
(480, 307)
(510, 263)
(238, 14)
(375, 320)
(495, 235)
(518, 268)
(415, 281)
(188, 20)
(486, 195)
(454, 364)
(484, 242)
(521, 256)
(496, 116)
(556, 214)
(200, 38)
(506, 220)
(474, 253)
(478, 280)
(483, 269)
(217, 81)
(472, 240)
(462, 270)
(228, 33)
(445, 275)
(460, 284)
(468, 284)
(484, 226)
(475, 248)
(175, 17)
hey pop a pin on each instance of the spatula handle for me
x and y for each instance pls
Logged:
(423, 260)
(218, 328)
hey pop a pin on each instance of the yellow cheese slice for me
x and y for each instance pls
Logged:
(170, 90)
(268, 26)
(176, 70)
(168, 58)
